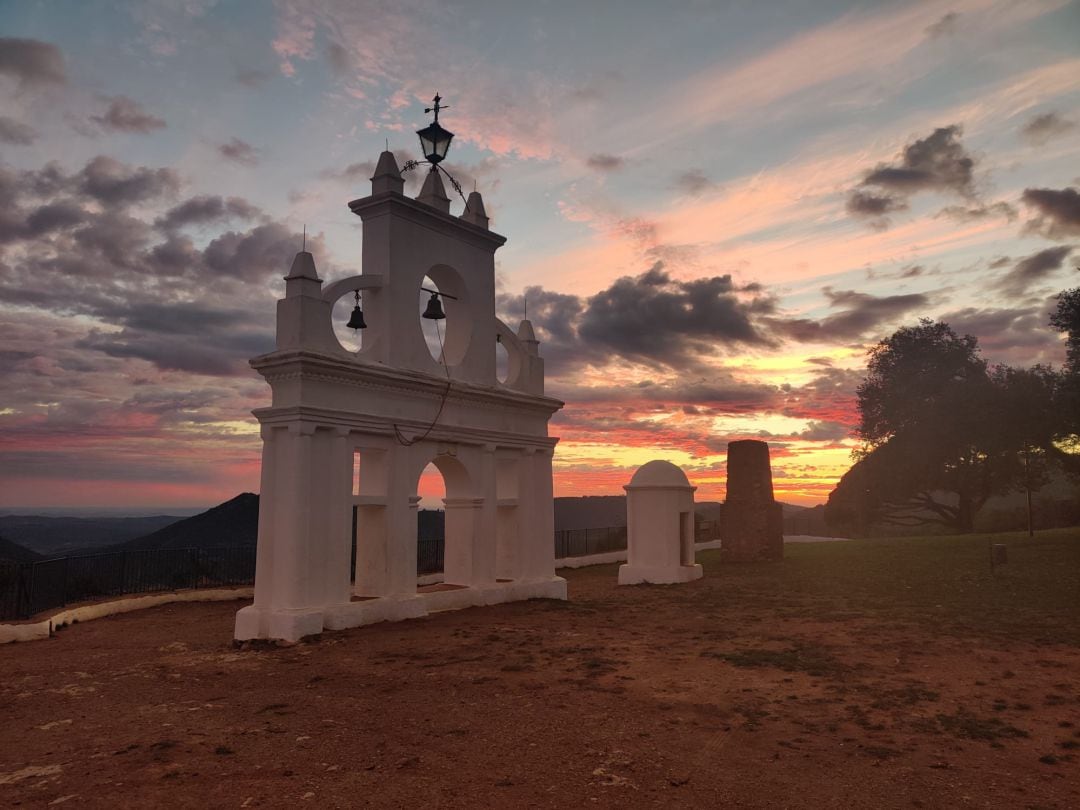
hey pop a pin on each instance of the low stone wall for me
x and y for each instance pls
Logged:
(32, 631)
(615, 556)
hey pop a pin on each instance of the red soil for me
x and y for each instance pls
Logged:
(623, 697)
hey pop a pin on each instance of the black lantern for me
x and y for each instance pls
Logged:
(434, 140)
(356, 320)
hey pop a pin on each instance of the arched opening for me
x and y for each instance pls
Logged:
(434, 331)
(447, 340)
(502, 362)
(430, 522)
(351, 340)
(459, 515)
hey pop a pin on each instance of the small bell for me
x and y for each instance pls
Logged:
(356, 320)
(434, 311)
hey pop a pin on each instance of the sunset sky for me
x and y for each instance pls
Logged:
(713, 209)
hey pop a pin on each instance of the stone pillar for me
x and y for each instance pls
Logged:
(536, 515)
(291, 594)
(460, 560)
(753, 524)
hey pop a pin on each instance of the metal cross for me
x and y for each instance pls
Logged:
(437, 107)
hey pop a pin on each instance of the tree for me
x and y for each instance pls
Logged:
(1065, 447)
(1066, 318)
(928, 420)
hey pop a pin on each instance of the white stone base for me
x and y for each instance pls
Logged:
(635, 575)
(294, 625)
(287, 625)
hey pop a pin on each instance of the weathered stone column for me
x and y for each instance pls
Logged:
(753, 523)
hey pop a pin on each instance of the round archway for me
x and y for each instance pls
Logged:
(447, 340)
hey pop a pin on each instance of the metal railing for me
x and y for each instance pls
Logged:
(28, 588)
(31, 587)
(585, 542)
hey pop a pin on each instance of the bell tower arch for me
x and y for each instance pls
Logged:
(348, 432)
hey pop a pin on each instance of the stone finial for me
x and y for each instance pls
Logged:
(434, 193)
(387, 175)
(303, 266)
(527, 336)
(474, 210)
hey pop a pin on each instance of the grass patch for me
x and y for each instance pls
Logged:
(812, 660)
(968, 726)
(944, 583)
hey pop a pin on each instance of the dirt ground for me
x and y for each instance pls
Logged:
(622, 697)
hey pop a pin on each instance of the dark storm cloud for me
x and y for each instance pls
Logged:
(862, 315)
(651, 318)
(16, 133)
(54, 217)
(938, 162)
(605, 163)
(1043, 128)
(338, 57)
(971, 213)
(354, 172)
(654, 318)
(719, 390)
(187, 337)
(31, 61)
(1057, 211)
(127, 115)
(1032, 269)
(693, 181)
(874, 207)
(251, 77)
(947, 25)
(1014, 335)
(205, 210)
(824, 430)
(829, 396)
(114, 183)
(239, 151)
(93, 256)
(254, 254)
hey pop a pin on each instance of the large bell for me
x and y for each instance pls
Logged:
(356, 320)
(434, 311)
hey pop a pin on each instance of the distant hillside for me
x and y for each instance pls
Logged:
(233, 523)
(591, 512)
(13, 552)
(59, 536)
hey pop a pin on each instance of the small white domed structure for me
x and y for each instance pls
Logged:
(660, 526)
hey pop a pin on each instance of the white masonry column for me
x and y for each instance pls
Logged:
(459, 557)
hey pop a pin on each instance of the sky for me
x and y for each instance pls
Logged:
(713, 209)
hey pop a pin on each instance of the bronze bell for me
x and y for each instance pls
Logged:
(356, 320)
(434, 311)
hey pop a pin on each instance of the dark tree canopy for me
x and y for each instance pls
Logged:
(943, 433)
(913, 377)
(1065, 449)
(1066, 318)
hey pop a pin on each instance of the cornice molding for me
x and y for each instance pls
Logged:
(387, 202)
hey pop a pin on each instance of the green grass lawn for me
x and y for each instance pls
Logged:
(943, 582)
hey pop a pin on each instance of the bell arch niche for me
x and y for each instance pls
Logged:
(453, 298)
(347, 434)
